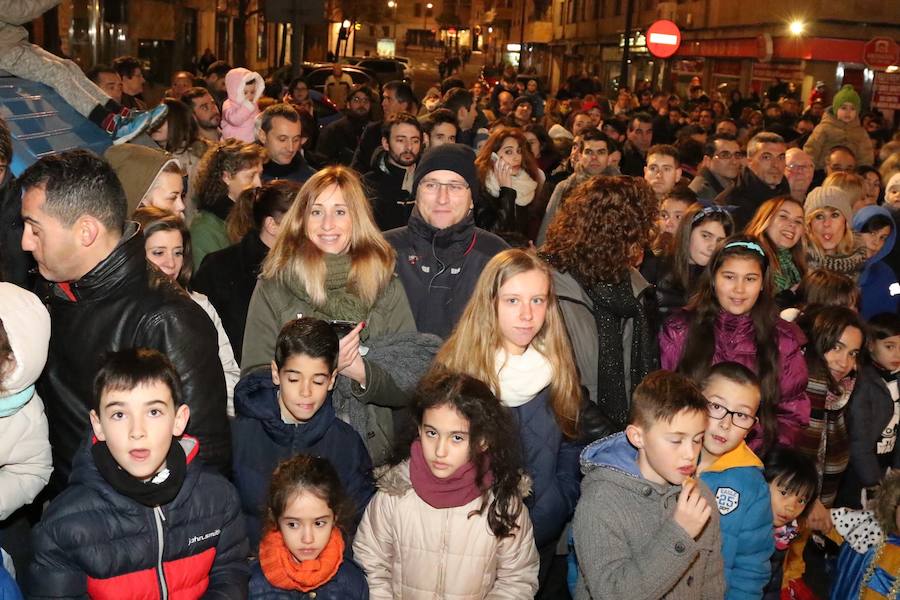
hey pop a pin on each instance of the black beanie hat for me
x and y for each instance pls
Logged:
(458, 158)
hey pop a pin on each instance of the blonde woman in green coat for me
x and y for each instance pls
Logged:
(331, 262)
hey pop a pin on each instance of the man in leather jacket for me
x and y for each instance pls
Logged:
(105, 296)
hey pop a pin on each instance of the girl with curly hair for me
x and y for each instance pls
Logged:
(226, 170)
(607, 305)
(303, 548)
(509, 179)
(732, 317)
(512, 337)
(448, 519)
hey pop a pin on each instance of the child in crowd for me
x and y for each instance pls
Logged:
(167, 243)
(732, 318)
(140, 514)
(25, 461)
(734, 474)
(302, 555)
(869, 563)
(448, 521)
(874, 413)
(644, 527)
(878, 286)
(793, 482)
(239, 111)
(512, 337)
(287, 410)
(840, 126)
(673, 207)
(821, 287)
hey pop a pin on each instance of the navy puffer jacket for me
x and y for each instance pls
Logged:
(94, 542)
(261, 440)
(552, 463)
(348, 584)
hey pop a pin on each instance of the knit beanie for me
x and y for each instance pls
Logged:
(832, 196)
(845, 94)
(458, 158)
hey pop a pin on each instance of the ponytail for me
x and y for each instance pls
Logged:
(240, 218)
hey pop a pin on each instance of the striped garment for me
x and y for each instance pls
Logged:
(825, 439)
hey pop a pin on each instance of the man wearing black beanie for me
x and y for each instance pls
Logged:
(440, 253)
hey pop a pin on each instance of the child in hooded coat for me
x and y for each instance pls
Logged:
(879, 290)
(239, 111)
(25, 460)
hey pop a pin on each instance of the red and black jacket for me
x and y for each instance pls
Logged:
(93, 542)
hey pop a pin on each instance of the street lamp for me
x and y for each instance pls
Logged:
(797, 27)
(393, 6)
(428, 7)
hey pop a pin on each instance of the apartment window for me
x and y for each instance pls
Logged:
(574, 11)
(618, 7)
(385, 31)
(417, 9)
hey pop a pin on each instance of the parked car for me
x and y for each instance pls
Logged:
(386, 69)
(315, 79)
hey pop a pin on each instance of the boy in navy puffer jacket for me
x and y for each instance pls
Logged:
(141, 517)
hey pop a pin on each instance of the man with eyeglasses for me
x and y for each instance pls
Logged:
(590, 157)
(721, 165)
(440, 252)
(799, 170)
(339, 140)
(840, 160)
(762, 179)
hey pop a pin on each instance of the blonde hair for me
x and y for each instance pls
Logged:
(296, 262)
(844, 247)
(471, 348)
(849, 182)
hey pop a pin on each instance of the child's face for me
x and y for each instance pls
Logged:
(138, 426)
(304, 383)
(841, 359)
(725, 434)
(522, 309)
(847, 112)
(739, 282)
(444, 434)
(886, 352)
(786, 506)
(306, 525)
(250, 90)
(671, 211)
(667, 452)
(704, 240)
(892, 191)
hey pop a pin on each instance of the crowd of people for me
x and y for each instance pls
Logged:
(474, 343)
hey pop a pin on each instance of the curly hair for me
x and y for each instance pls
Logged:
(493, 442)
(595, 233)
(313, 475)
(229, 157)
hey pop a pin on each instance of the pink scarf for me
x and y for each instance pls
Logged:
(457, 490)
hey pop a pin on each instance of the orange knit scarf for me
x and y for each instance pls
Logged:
(286, 573)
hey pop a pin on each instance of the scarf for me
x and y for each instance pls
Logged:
(787, 275)
(450, 492)
(341, 303)
(849, 264)
(785, 534)
(522, 183)
(285, 572)
(614, 303)
(10, 405)
(521, 377)
(159, 490)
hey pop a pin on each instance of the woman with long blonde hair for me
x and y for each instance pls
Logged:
(330, 261)
(512, 337)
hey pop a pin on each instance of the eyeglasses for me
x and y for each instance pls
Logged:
(739, 419)
(360, 100)
(454, 188)
(799, 168)
(726, 155)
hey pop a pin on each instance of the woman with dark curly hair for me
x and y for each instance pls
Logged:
(608, 307)
(509, 179)
(227, 170)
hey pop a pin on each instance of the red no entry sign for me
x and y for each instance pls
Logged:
(663, 38)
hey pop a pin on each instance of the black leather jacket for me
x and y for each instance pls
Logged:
(125, 302)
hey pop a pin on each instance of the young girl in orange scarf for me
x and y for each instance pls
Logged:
(303, 550)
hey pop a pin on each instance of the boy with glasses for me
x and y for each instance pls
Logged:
(735, 475)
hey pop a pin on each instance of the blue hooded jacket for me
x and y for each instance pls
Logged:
(877, 277)
(261, 440)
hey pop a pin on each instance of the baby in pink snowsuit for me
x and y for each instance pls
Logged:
(239, 111)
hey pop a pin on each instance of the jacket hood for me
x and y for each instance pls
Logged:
(27, 325)
(613, 452)
(863, 216)
(742, 456)
(235, 80)
(137, 167)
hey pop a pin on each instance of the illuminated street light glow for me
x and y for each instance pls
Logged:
(797, 27)
(346, 24)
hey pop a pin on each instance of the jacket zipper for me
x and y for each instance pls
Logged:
(160, 575)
